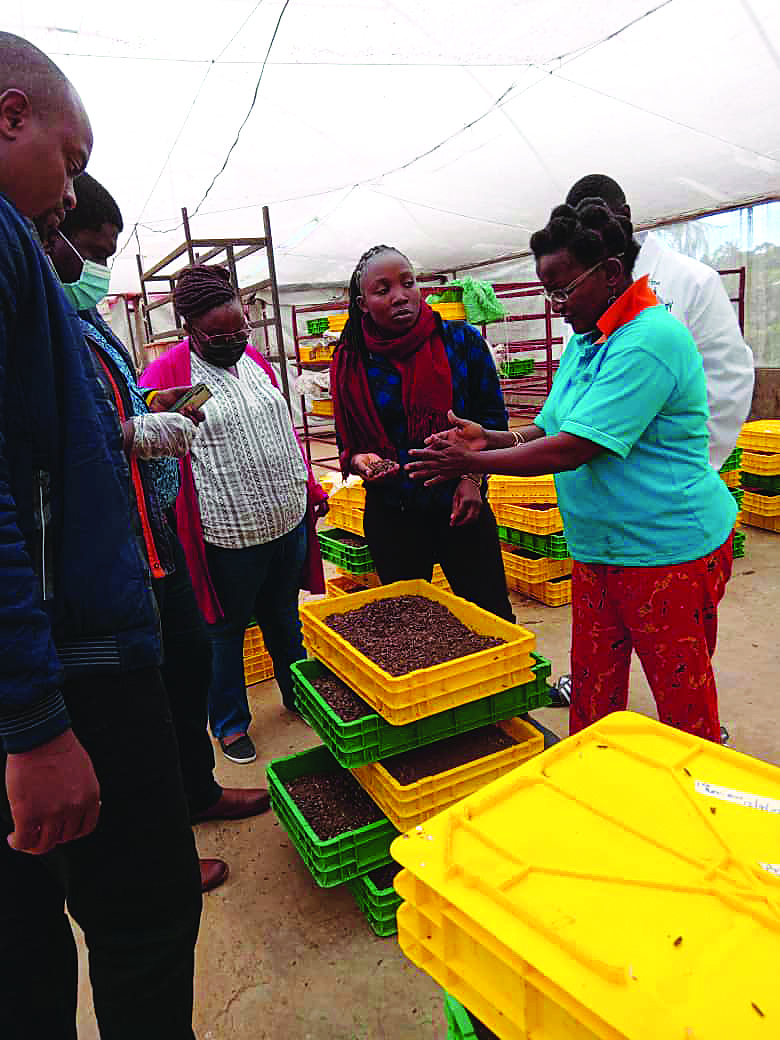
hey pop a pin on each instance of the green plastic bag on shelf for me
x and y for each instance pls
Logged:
(479, 300)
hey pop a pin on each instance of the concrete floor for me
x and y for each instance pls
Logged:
(281, 959)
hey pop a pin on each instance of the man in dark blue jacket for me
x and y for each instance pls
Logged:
(93, 806)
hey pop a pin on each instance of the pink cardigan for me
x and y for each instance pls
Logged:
(174, 369)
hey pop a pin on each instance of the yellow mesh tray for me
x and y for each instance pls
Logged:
(553, 593)
(761, 435)
(523, 518)
(450, 311)
(731, 479)
(341, 586)
(768, 523)
(345, 517)
(336, 322)
(522, 489)
(323, 406)
(351, 494)
(522, 566)
(762, 463)
(623, 885)
(371, 579)
(425, 691)
(408, 805)
(761, 505)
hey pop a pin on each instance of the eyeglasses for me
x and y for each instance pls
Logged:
(561, 296)
(238, 338)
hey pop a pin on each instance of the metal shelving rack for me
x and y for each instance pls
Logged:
(228, 251)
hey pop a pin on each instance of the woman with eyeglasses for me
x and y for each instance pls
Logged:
(248, 504)
(647, 519)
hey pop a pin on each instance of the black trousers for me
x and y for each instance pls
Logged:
(186, 672)
(133, 885)
(406, 543)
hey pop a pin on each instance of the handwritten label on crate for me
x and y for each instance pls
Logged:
(744, 798)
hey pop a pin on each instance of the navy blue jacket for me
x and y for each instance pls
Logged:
(75, 594)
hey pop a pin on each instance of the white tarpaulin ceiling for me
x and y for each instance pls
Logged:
(447, 128)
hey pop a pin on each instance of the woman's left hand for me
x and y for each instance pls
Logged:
(440, 461)
(321, 508)
(466, 503)
(164, 400)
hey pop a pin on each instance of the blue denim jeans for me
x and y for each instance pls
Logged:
(261, 580)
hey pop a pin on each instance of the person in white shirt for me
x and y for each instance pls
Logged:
(693, 293)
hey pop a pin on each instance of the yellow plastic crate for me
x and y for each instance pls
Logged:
(731, 479)
(761, 435)
(346, 517)
(533, 571)
(761, 505)
(522, 518)
(253, 640)
(768, 523)
(350, 494)
(318, 352)
(425, 691)
(412, 804)
(556, 593)
(450, 311)
(762, 463)
(522, 489)
(623, 885)
(336, 322)
(370, 580)
(343, 585)
(323, 406)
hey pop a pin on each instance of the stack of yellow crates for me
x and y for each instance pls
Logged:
(760, 474)
(258, 665)
(536, 557)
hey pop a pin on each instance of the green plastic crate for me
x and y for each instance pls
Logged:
(378, 905)
(734, 461)
(739, 545)
(371, 738)
(315, 326)
(515, 368)
(335, 860)
(739, 494)
(764, 485)
(353, 558)
(551, 545)
(460, 1024)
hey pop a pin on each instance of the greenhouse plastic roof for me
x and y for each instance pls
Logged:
(447, 128)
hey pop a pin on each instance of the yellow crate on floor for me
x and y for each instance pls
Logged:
(346, 517)
(370, 580)
(731, 479)
(253, 639)
(343, 585)
(623, 885)
(761, 505)
(768, 523)
(522, 489)
(524, 518)
(425, 691)
(408, 805)
(761, 435)
(523, 565)
(258, 665)
(350, 494)
(553, 593)
(322, 406)
(764, 464)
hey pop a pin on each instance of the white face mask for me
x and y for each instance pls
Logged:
(92, 285)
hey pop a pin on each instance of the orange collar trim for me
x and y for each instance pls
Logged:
(637, 298)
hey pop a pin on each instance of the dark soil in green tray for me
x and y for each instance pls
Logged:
(333, 803)
(383, 877)
(404, 633)
(345, 702)
(347, 539)
(432, 759)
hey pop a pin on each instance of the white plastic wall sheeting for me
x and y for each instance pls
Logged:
(450, 128)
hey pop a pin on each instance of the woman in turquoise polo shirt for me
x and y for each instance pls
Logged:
(648, 520)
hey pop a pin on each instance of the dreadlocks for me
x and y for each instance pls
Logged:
(352, 334)
(200, 288)
(590, 231)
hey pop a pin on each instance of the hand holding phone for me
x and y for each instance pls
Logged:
(193, 398)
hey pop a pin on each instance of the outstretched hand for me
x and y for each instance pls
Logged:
(440, 461)
(464, 432)
(373, 468)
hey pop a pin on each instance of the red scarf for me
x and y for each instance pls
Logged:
(426, 387)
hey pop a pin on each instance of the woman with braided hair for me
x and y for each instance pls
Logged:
(648, 521)
(396, 373)
(248, 504)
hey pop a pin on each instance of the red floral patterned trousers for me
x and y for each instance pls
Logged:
(669, 615)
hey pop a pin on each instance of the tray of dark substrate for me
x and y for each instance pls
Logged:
(337, 830)
(346, 550)
(356, 734)
(376, 897)
(412, 787)
(485, 654)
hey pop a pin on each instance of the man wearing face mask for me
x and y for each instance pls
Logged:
(79, 251)
(247, 508)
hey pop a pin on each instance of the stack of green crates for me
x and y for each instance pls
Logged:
(316, 326)
(731, 476)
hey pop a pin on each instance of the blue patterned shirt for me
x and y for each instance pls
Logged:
(164, 472)
(476, 395)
